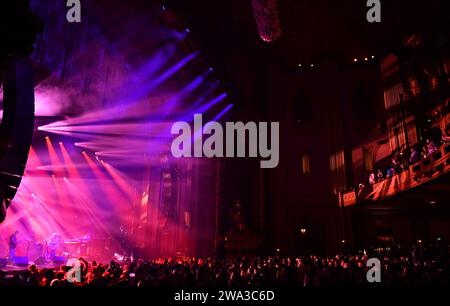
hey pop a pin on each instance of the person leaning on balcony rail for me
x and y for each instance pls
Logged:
(431, 147)
(415, 156)
(372, 179)
(394, 160)
(391, 171)
(380, 175)
(424, 152)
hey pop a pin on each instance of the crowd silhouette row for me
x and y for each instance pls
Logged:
(415, 266)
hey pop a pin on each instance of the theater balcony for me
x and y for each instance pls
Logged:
(421, 172)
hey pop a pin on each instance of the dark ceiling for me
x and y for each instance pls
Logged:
(312, 30)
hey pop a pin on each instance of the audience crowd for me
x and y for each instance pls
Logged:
(415, 266)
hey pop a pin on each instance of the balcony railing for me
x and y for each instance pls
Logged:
(431, 167)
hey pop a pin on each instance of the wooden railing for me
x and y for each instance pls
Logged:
(418, 173)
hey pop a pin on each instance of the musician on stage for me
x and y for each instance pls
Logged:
(53, 244)
(84, 249)
(33, 250)
(124, 240)
(13, 243)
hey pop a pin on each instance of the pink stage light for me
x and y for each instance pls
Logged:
(71, 168)
(54, 159)
(112, 194)
(121, 180)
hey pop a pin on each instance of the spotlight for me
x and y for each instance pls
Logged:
(60, 143)
(84, 152)
(366, 59)
(47, 138)
(312, 65)
(119, 257)
(188, 31)
(355, 60)
(343, 241)
(372, 56)
(210, 69)
(303, 231)
(299, 65)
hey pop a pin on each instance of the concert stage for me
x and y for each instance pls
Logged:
(100, 163)
(140, 133)
(11, 269)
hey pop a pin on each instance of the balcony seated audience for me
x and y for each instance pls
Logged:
(372, 179)
(402, 159)
(380, 175)
(431, 147)
(390, 171)
(415, 156)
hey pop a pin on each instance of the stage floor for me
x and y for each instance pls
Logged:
(10, 269)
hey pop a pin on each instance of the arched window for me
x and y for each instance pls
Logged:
(368, 156)
(306, 168)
